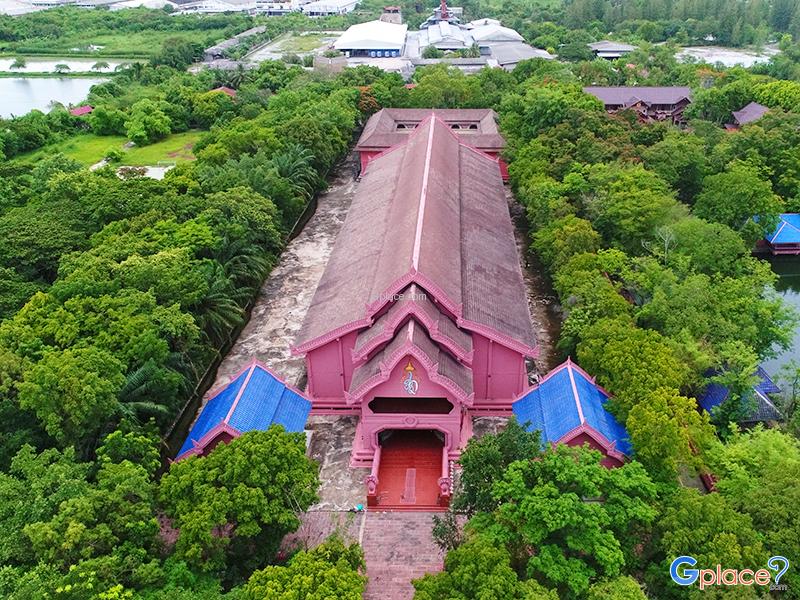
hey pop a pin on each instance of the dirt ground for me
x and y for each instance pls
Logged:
(542, 301)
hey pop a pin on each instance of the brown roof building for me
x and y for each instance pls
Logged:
(391, 126)
(651, 103)
(750, 113)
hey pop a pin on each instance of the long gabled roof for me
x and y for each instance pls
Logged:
(254, 400)
(622, 95)
(432, 212)
(567, 401)
(382, 131)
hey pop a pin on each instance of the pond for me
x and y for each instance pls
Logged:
(728, 56)
(788, 287)
(48, 65)
(23, 94)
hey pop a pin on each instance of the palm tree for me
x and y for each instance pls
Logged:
(100, 65)
(219, 313)
(19, 63)
(61, 68)
(139, 384)
(247, 265)
(295, 165)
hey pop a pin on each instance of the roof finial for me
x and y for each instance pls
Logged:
(443, 9)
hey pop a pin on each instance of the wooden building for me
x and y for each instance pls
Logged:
(650, 103)
(390, 127)
(421, 317)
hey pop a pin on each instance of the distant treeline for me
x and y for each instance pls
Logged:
(554, 22)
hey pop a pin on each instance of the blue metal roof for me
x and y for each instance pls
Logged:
(715, 394)
(555, 408)
(258, 399)
(787, 231)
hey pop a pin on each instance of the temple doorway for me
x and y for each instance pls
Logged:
(410, 468)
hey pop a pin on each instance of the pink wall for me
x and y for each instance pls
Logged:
(584, 438)
(366, 156)
(499, 372)
(371, 423)
(330, 370)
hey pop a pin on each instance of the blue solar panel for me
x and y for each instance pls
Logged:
(551, 408)
(263, 401)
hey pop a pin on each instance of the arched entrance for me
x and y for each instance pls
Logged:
(410, 468)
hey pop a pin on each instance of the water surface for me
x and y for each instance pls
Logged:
(20, 95)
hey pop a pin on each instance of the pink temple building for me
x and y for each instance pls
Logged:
(389, 127)
(421, 319)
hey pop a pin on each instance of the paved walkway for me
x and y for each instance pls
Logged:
(398, 548)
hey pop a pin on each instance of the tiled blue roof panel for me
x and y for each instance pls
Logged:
(213, 412)
(787, 231)
(715, 394)
(293, 411)
(766, 385)
(551, 408)
(263, 401)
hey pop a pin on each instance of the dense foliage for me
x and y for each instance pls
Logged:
(117, 292)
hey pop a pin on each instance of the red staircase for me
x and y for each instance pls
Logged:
(410, 467)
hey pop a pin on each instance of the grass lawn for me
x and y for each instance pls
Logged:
(89, 149)
(141, 44)
(305, 42)
(86, 148)
(177, 148)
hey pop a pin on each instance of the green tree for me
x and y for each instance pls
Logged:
(475, 570)
(73, 392)
(485, 459)
(627, 204)
(629, 362)
(178, 53)
(32, 491)
(664, 427)
(235, 505)
(331, 571)
(19, 63)
(105, 120)
(146, 123)
(583, 519)
(680, 160)
(757, 471)
(707, 528)
(561, 239)
(741, 199)
(621, 588)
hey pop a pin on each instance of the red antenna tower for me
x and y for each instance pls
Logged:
(443, 9)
